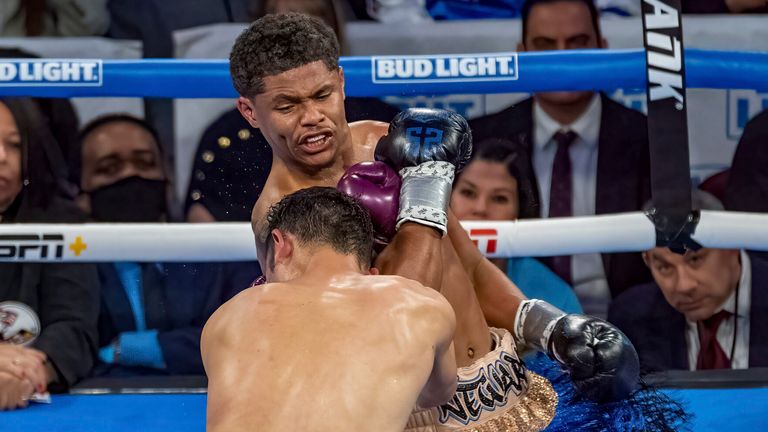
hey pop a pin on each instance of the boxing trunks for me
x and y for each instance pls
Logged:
(496, 393)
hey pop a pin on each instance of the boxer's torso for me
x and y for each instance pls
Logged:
(342, 353)
(472, 338)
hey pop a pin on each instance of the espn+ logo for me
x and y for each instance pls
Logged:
(31, 246)
(444, 68)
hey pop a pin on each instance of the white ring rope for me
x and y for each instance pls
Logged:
(625, 232)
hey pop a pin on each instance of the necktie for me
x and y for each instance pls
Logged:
(711, 354)
(561, 196)
(130, 275)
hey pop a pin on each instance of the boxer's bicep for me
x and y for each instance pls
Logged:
(414, 253)
(468, 253)
(443, 379)
(499, 297)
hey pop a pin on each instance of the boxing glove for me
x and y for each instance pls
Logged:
(426, 147)
(601, 360)
(376, 187)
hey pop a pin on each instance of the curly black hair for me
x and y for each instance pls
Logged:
(277, 43)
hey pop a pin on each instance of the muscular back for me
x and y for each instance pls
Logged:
(348, 353)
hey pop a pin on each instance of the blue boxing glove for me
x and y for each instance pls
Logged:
(426, 147)
(601, 360)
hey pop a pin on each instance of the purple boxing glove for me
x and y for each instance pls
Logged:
(377, 187)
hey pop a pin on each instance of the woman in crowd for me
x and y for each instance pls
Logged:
(497, 185)
(47, 311)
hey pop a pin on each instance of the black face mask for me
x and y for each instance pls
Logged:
(132, 199)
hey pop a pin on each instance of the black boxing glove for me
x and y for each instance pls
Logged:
(601, 360)
(426, 147)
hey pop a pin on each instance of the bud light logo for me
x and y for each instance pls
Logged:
(50, 72)
(742, 106)
(445, 68)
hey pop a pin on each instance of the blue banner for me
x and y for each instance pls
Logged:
(385, 75)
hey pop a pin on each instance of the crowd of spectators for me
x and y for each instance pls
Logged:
(558, 154)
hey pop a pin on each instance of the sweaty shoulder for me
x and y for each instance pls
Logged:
(430, 303)
(365, 135)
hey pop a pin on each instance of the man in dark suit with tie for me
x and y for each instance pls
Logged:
(747, 188)
(707, 309)
(589, 154)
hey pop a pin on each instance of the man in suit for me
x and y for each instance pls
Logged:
(589, 154)
(706, 309)
(152, 314)
(747, 188)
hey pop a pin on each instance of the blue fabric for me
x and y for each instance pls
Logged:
(600, 69)
(107, 354)
(141, 349)
(535, 280)
(474, 9)
(715, 410)
(647, 409)
(130, 276)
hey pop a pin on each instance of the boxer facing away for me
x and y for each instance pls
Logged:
(285, 68)
(325, 345)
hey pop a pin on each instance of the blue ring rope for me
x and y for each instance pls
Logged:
(544, 71)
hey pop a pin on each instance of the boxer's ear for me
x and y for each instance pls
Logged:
(245, 106)
(282, 246)
(341, 78)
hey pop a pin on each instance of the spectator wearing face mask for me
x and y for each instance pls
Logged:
(151, 313)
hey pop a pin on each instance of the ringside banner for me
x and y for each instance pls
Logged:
(51, 72)
(444, 68)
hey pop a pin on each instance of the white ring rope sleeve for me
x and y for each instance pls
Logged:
(625, 232)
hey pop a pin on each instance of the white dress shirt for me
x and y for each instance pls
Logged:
(587, 271)
(737, 323)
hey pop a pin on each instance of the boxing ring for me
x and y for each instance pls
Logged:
(146, 410)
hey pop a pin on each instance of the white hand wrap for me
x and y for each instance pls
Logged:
(534, 322)
(425, 194)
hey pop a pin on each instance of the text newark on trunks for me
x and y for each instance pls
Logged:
(50, 72)
(444, 68)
